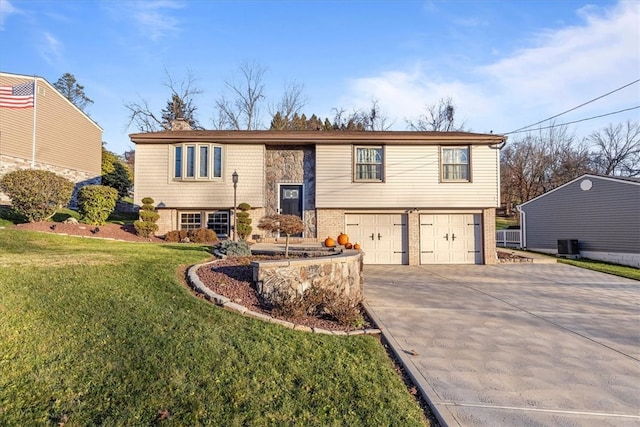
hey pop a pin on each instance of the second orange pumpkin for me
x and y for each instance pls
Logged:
(343, 239)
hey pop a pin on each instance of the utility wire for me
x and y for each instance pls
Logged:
(570, 123)
(575, 108)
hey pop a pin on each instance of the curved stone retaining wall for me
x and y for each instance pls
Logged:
(341, 273)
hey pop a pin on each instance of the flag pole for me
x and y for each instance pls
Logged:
(33, 142)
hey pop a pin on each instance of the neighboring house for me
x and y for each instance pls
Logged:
(406, 197)
(65, 140)
(601, 212)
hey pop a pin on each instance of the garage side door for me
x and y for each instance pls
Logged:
(382, 237)
(450, 239)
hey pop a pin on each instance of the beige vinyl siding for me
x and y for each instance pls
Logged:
(154, 178)
(65, 136)
(411, 179)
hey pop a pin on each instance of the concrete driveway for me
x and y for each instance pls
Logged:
(514, 344)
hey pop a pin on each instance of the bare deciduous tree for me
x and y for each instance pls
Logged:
(290, 104)
(538, 163)
(438, 117)
(371, 119)
(241, 111)
(180, 105)
(617, 149)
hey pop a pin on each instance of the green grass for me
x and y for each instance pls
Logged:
(122, 217)
(7, 217)
(102, 333)
(502, 222)
(618, 270)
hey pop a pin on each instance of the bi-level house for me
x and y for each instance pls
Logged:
(41, 129)
(406, 197)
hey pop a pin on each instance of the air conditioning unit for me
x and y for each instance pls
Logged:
(568, 247)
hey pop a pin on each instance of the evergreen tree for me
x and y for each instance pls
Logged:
(74, 92)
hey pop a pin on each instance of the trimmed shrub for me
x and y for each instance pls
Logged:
(146, 226)
(202, 235)
(95, 203)
(149, 216)
(175, 236)
(243, 227)
(231, 248)
(36, 194)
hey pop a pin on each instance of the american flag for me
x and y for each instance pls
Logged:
(18, 96)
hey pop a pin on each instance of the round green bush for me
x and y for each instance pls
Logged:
(36, 194)
(95, 203)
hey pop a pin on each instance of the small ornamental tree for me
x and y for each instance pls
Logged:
(146, 225)
(95, 203)
(287, 224)
(244, 222)
(36, 194)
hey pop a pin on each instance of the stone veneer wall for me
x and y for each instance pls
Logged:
(292, 165)
(341, 273)
(81, 178)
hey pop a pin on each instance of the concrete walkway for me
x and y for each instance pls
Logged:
(514, 344)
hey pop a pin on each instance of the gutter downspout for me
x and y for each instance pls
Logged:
(498, 147)
(523, 228)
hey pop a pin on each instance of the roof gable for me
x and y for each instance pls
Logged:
(619, 179)
(54, 90)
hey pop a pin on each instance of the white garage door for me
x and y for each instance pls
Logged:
(450, 239)
(382, 237)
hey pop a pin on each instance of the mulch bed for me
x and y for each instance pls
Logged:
(231, 277)
(107, 231)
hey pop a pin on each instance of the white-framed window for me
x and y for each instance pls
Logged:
(219, 222)
(368, 164)
(190, 220)
(455, 164)
(197, 162)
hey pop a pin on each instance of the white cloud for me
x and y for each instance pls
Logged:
(558, 70)
(153, 19)
(51, 49)
(6, 10)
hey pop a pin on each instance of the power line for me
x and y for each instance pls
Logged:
(570, 123)
(575, 108)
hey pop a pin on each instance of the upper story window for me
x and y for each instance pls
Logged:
(455, 164)
(369, 164)
(197, 161)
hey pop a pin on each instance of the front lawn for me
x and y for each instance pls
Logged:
(102, 332)
(604, 267)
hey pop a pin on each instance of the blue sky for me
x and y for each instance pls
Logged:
(506, 64)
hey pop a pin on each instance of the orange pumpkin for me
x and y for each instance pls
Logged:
(343, 239)
(348, 245)
(356, 246)
(329, 242)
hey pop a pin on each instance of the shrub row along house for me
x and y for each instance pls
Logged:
(406, 197)
(41, 129)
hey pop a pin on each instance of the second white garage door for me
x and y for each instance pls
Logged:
(382, 237)
(450, 239)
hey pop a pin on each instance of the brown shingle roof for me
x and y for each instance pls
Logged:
(271, 137)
